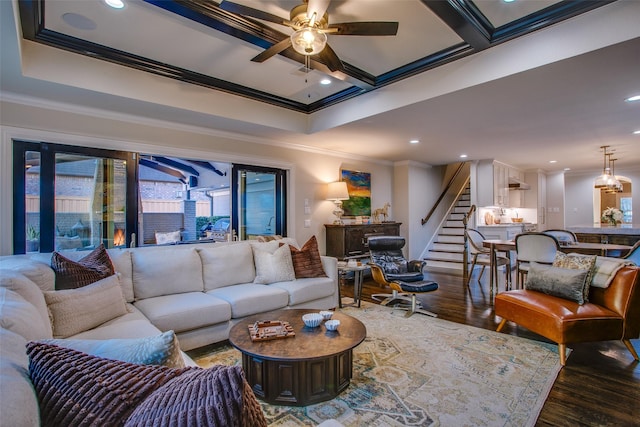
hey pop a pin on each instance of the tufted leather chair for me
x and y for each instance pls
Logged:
(610, 314)
(390, 268)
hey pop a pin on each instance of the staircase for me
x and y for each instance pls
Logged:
(447, 250)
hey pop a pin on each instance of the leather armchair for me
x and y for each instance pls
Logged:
(611, 314)
(390, 268)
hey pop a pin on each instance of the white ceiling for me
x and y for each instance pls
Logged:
(555, 94)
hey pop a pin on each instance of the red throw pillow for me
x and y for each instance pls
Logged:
(75, 274)
(306, 261)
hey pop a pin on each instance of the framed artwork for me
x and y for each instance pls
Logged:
(359, 186)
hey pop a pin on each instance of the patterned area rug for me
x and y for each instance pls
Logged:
(423, 371)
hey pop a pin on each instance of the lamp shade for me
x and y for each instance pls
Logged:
(337, 191)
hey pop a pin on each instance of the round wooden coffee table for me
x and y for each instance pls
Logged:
(313, 366)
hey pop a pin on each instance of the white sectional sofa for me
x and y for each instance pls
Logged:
(199, 291)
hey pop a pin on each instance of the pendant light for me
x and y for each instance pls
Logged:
(602, 180)
(613, 184)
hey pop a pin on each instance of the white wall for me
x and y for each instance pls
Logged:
(309, 170)
(416, 188)
(555, 200)
(579, 196)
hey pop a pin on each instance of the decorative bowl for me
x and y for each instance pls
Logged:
(312, 320)
(332, 325)
(516, 219)
(326, 314)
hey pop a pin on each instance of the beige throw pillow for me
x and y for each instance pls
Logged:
(77, 310)
(273, 267)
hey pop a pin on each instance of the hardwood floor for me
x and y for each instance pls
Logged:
(600, 384)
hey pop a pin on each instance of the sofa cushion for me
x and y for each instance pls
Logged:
(218, 396)
(306, 260)
(74, 274)
(560, 282)
(29, 291)
(121, 259)
(20, 316)
(74, 388)
(309, 289)
(168, 237)
(160, 271)
(578, 262)
(273, 267)
(250, 298)
(77, 310)
(38, 272)
(19, 406)
(185, 311)
(224, 265)
(160, 349)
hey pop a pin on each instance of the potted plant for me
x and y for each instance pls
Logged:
(33, 239)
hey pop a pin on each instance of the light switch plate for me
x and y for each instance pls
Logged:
(307, 210)
(307, 223)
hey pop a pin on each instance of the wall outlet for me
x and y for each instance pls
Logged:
(307, 223)
(307, 210)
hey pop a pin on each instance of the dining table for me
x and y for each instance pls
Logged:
(585, 248)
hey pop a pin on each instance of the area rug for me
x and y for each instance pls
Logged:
(423, 371)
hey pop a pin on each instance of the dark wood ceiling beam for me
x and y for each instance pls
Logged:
(254, 32)
(465, 20)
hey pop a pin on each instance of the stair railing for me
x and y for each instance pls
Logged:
(444, 193)
(465, 253)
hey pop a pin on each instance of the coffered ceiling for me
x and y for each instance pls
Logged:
(486, 78)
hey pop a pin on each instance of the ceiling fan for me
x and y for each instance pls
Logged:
(311, 24)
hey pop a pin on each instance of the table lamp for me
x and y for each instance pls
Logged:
(337, 192)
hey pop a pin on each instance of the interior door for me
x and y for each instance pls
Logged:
(258, 201)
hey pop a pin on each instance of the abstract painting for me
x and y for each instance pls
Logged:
(359, 186)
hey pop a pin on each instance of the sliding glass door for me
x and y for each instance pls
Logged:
(72, 198)
(258, 201)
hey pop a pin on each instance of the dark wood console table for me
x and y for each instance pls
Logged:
(313, 366)
(350, 240)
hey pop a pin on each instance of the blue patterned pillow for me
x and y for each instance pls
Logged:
(161, 349)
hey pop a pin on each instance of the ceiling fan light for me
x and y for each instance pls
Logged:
(308, 41)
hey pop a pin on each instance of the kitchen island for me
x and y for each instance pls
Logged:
(624, 234)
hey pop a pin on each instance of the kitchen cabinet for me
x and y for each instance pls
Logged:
(536, 197)
(350, 240)
(492, 183)
(516, 197)
(501, 232)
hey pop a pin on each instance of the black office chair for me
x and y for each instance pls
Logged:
(390, 268)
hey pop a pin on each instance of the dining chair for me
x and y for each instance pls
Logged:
(634, 254)
(482, 256)
(563, 236)
(533, 247)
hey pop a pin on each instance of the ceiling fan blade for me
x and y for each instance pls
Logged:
(329, 57)
(253, 13)
(364, 29)
(273, 50)
(319, 7)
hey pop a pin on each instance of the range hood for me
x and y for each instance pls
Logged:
(516, 184)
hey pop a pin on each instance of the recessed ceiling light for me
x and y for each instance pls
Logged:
(633, 98)
(553, 161)
(636, 132)
(567, 169)
(325, 81)
(508, 1)
(116, 4)
(463, 156)
(414, 141)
